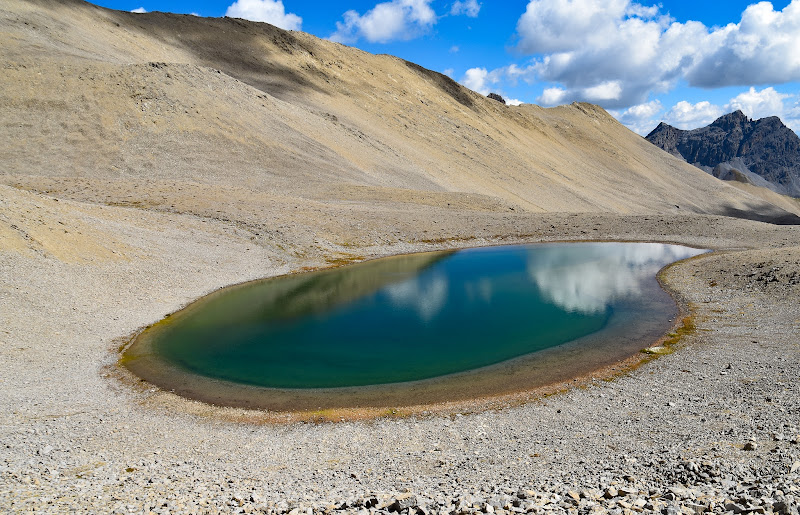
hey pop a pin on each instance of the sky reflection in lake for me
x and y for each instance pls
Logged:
(588, 277)
(414, 317)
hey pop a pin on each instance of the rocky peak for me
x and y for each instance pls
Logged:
(666, 136)
(765, 147)
(732, 121)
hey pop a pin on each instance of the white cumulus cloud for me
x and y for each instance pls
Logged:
(139, 10)
(387, 21)
(470, 8)
(484, 82)
(764, 47)
(268, 11)
(609, 90)
(553, 26)
(479, 80)
(618, 53)
(552, 96)
(640, 118)
(685, 115)
(758, 104)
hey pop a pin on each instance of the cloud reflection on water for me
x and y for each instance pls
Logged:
(577, 277)
(425, 296)
(586, 278)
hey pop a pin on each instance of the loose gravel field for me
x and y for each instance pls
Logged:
(713, 426)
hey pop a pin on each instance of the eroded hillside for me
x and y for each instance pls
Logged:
(245, 122)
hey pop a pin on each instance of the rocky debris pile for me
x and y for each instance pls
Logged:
(739, 497)
(686, 487)
(766, 274)
(773, 276)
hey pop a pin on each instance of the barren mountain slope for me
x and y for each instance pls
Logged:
(244, 121)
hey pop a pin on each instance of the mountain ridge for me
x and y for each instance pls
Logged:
(756, 149)
(164, 103)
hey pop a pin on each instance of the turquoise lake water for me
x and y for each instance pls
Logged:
(410, 318)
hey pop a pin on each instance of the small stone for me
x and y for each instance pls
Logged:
(695, 509)
(611, 492)
(402, 502)
(574, 495)
(735, 508)
(795, 467)
(524, 494)
(750, 446)
(783, 508)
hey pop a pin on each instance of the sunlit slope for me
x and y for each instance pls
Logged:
(138, 109)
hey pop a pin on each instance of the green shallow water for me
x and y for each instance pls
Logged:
(411, 318)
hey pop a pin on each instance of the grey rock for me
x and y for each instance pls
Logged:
(672, 510)
(610, 493)
(784, 508)
(734, 507)
(402, 502)
(763, 148)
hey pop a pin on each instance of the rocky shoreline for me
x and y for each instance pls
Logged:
(712, 427)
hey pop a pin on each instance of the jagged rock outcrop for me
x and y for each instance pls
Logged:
(495, 96)
(737, 148)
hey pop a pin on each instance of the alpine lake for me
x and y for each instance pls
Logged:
(414, 329)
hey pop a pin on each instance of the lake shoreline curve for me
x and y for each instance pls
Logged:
(249, 403)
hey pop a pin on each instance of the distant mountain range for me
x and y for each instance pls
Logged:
(761, 152)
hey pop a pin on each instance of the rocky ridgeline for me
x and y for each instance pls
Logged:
(762, 152)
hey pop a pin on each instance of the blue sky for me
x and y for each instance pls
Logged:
(683, 62)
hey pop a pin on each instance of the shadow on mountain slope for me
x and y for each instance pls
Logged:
(248, 53)
(761, 213)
